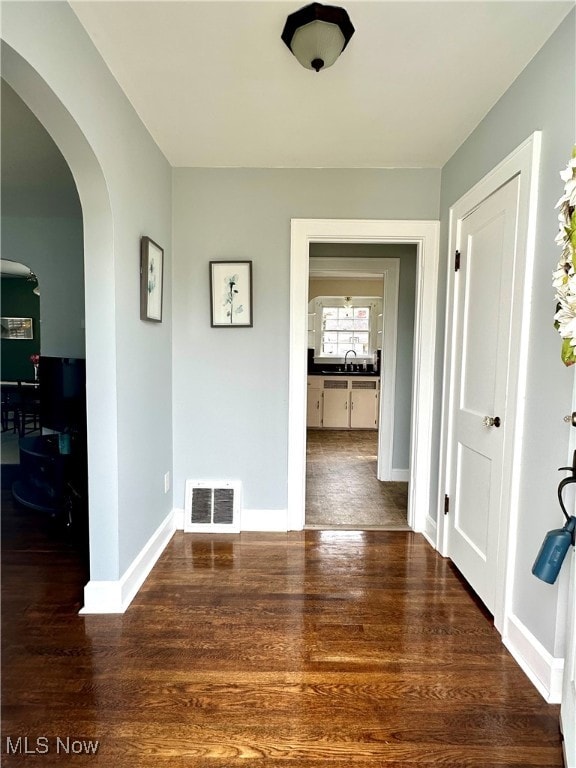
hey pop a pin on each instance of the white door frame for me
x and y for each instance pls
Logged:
(568, 702)
(388, 269)
(425, 235)
(568, 697)
(522, 162)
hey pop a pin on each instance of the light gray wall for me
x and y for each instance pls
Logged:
(124, 183)
(405, 330)
(542, 98)
(231, 385)
(42, 224)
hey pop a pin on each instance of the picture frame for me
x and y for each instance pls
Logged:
(21, 328)
(151, 280)
(231, 294)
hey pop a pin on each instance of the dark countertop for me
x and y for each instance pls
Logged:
(344, 373)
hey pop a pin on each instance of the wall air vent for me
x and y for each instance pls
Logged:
(335, 384)
(363, 384)
(212, 506)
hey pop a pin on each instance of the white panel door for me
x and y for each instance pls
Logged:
(483, 296)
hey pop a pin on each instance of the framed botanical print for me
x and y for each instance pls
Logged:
(151, 278)
(231, 294)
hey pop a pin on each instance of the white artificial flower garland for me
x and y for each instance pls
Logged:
(564, 277)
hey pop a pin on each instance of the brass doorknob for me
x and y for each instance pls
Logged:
(571, 419)
(491, 421)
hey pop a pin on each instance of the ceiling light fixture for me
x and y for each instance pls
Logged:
(317, 34)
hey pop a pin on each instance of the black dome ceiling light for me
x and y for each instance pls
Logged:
(317, 34)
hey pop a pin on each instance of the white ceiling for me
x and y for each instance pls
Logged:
(216, 86)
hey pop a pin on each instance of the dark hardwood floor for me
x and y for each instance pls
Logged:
(294, 650)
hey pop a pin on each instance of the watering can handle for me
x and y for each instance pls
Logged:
(565, 482)
(561, 486)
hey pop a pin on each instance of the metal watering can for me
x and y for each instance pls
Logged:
(557, 542)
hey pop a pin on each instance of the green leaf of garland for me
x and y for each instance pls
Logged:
(568, 353)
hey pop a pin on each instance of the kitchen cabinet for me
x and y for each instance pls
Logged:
(336, 411)
(314, 403)
(341, 402)
(363, 408)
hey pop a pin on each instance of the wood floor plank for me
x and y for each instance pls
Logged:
(262, 651)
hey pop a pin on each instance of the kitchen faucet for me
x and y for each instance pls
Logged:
(346, 359)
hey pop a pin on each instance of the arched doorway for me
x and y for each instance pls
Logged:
(99, 299)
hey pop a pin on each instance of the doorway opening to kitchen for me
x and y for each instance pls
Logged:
(360, 341)
(423, 499)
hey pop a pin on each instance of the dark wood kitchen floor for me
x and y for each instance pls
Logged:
(342, 490)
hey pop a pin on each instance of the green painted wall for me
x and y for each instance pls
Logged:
(19, 301)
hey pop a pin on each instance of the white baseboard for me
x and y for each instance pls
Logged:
(544, 670)
(400, 475)
(265, 520)
(116, 596)
(431, 531)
